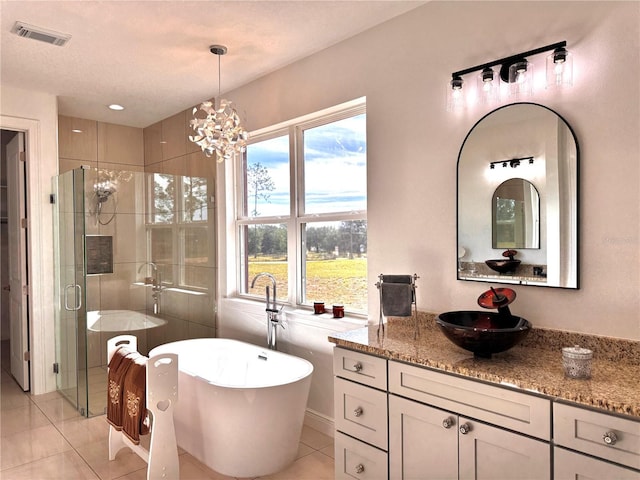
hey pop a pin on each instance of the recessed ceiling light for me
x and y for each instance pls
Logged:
(115, 106)
(75, 130)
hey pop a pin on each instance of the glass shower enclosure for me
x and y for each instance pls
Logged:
(134, 254)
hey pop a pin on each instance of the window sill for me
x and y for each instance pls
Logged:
(303, 316)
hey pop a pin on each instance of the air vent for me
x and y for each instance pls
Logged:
(38, 33)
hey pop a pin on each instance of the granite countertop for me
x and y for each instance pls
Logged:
(534, 366)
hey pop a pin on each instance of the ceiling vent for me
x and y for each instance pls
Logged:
(38, 33)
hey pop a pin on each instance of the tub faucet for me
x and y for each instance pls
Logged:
(271, 307)
(157, 285)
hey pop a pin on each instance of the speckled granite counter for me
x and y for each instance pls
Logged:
(535, 365)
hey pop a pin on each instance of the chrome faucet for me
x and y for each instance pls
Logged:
(271, 307)
(157, 285)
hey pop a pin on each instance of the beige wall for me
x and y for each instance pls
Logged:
(402, 67)
(36, 113)
(413, 142)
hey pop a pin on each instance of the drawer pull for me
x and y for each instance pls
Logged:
(447, 422)
(358, 411)
(610, 438)
(465, 428)
(358, 367)
(359, 468)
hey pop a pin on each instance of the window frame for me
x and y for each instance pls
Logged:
(297, 218)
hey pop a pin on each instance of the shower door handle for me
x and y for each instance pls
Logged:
(78, 297)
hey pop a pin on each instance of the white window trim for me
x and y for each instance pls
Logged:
(293, 221)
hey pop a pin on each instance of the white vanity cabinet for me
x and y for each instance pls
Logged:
(427, 442)
(608, 437)
(360, 401)
(405, 422)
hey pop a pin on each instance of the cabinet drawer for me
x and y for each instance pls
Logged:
(361, 412)
(360, 367)
(586, 430)
(520, 412)
(355, 459)
(571, 465)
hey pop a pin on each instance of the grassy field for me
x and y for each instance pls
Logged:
(339, 281)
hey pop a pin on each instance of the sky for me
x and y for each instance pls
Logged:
(334, 164)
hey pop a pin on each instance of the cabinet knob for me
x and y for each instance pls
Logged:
(465, 428)
(358, 411)
(358, 367)
(447, 422)
(610, 438)
(359, 468)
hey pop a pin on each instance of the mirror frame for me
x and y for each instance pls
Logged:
(514, 279)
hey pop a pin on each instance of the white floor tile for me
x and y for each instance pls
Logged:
(20, 419)
(31, 445)
(67, 465)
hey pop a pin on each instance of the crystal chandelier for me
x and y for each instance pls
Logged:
(218, 128)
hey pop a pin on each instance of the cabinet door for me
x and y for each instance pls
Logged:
(489, 453)
(574, 466)
(423, 441)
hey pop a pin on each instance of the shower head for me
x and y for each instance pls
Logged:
(104, 190)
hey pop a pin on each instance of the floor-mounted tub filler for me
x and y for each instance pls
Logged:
(241, 406)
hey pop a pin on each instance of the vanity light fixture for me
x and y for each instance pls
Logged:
(513, 163)
(218, 128)
(488, 86)
(559, 68)
(516, 71)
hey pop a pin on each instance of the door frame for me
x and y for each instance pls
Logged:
(39, 257)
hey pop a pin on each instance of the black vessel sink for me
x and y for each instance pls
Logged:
(483, 333)
(503, 265)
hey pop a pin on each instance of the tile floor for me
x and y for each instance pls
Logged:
(43, 437)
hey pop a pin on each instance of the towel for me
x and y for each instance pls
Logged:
(397, 278)
(396, 299)
(118, 366)
(135, 422)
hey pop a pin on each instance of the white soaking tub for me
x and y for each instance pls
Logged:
(241, 407)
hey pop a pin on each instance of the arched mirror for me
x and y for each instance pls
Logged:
(518, 198)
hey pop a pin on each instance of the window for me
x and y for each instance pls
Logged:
(302, 212)
(177, 230)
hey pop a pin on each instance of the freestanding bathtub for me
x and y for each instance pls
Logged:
(241, 407)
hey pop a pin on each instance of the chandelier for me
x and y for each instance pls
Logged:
(217, 128)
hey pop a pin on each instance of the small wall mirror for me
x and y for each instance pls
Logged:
(515, 215)
(518, 198)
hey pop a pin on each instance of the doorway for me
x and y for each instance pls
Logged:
(14, 314)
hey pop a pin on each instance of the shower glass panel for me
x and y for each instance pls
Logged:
(70, 289)
(135, 255)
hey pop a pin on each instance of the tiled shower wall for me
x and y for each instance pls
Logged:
(156, 149)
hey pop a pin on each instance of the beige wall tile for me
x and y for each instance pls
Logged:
(152, 146)
(77, 146)
(174, 136)
(67, 164)
(120, 144)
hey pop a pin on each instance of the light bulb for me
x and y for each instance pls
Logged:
(559, 68)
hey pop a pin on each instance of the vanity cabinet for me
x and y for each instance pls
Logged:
(401, 421)
(427, 442)
(607, 437)
(360, 401)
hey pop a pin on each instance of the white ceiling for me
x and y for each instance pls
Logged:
(153, 56)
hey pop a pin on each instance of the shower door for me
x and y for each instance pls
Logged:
(70, 289)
